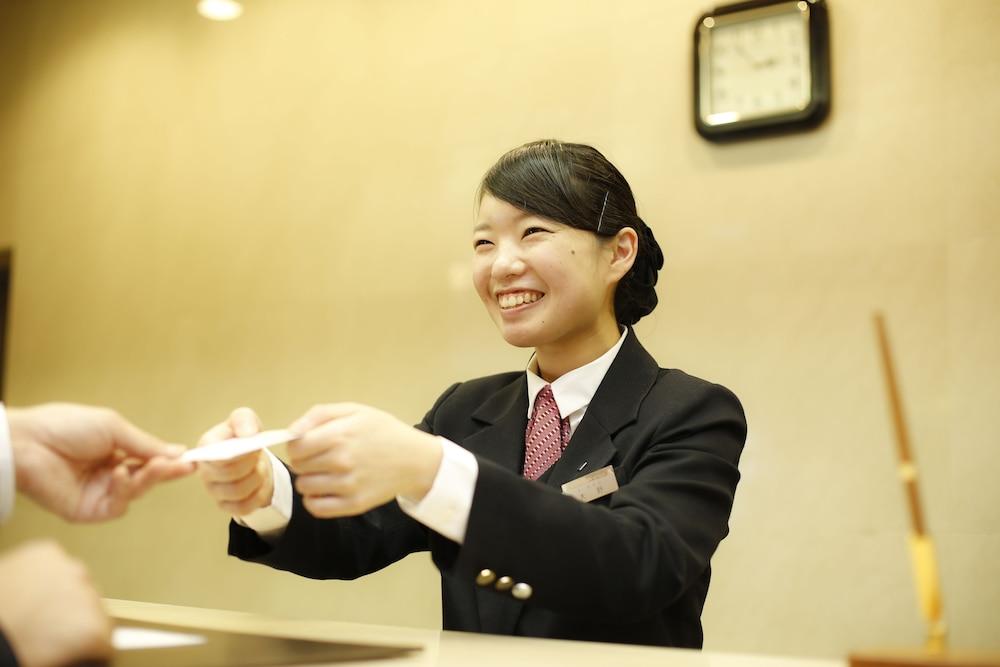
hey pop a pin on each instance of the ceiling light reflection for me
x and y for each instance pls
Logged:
(220, 10)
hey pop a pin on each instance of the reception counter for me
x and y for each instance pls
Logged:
(445, 648)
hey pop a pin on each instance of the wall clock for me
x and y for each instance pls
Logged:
(761, 66)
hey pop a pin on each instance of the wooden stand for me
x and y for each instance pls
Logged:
(923, 658)
(935, 653)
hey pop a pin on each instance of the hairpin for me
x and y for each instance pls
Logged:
(602, 210)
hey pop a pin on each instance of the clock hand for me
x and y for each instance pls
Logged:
(768, 62)
(746, 56)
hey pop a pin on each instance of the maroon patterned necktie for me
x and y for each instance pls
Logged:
(546, 436)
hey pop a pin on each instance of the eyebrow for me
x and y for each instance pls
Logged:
(482, 226)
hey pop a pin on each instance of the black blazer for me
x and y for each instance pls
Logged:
(632, 567)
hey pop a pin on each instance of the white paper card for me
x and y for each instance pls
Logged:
(228, 449)
(130, 639)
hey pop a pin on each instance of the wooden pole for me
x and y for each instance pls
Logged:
(921, 547)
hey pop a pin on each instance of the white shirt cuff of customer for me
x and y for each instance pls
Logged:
(7, 477)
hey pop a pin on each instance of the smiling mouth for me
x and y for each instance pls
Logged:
(512, 300)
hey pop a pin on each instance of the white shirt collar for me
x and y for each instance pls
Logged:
(574, 390)
(7, 478)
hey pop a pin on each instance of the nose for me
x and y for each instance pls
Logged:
(507, 262)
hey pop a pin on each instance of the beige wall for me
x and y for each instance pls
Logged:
(275, 212)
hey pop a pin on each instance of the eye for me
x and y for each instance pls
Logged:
(534, 230)
(478, 243)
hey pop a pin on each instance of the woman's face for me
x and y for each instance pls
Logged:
(543, 283)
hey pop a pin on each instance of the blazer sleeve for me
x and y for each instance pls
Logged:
(7, 657)
(343, 548)
(633, 554)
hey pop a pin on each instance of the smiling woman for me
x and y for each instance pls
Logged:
(582, 498)
(562, 215)
(548, 285)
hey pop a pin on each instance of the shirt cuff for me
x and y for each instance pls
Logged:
(7, 478)
(445, 509)
(270, 522)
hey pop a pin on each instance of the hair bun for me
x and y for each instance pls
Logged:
(636, 295)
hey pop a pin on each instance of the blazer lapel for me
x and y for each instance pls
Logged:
(614, 406)
(504, 417)
(589, 449)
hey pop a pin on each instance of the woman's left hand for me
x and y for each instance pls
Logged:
(351, 458)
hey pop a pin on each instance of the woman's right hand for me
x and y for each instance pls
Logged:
(244, 484)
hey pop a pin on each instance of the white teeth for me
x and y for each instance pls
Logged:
(517, 299)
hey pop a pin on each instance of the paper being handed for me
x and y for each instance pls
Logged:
(126, 638)
(230, 449)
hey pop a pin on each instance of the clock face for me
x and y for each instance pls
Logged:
(755, 65)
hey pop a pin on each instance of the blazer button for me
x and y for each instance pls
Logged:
(504, 584)
(485, 577)
(521, 591)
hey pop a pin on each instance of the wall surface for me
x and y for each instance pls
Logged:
(276, 211)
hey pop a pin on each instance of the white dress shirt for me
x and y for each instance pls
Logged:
(445, 509)
(7, 478)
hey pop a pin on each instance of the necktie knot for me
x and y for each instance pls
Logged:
(546, 436)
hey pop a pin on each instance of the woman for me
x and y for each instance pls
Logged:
(564, 265)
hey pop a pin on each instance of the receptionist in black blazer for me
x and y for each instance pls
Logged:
(565, 266)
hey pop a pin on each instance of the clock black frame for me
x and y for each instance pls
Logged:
(819, 61)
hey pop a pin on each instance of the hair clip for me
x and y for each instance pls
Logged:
(602, 210)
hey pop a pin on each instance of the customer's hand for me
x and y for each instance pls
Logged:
(50, 613)
(86, 463)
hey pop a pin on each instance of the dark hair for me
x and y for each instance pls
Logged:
(575, 185)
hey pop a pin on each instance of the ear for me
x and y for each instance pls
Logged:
(624, 247)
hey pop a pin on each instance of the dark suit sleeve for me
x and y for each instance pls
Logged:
(7, 657)
(630, 556)
(343, 548)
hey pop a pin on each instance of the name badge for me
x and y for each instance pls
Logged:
(592, 485)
